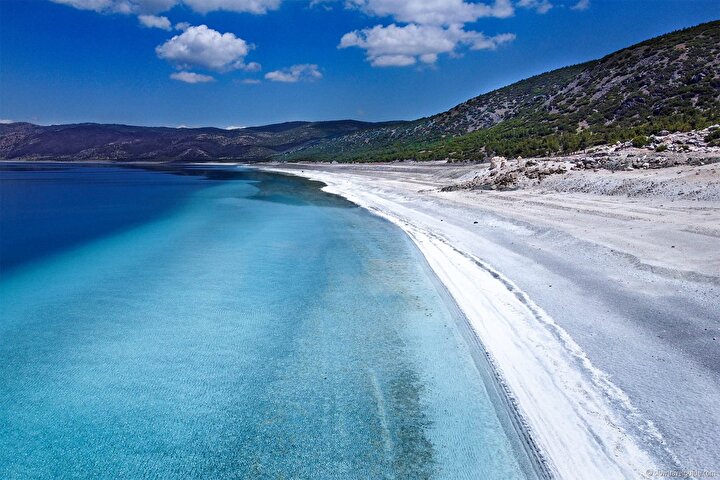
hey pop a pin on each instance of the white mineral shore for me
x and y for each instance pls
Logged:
(599, 312)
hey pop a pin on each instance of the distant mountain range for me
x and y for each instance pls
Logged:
(671, 82)
(123, 143)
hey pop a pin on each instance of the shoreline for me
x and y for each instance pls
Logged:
(506, 406)
(565, 402)
(597, 312)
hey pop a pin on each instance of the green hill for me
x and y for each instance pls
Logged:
(671, 82)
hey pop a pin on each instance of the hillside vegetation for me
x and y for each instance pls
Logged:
(669, 83)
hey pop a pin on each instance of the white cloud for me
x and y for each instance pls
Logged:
(479, 41)
(121, 6)
(157, 6)
(431, 28)
(234, 127)
(581, 5)
(251, 6)
(252, 67)
(153, 21)
(434, 12)
(250, 81)
(204, 47)
(540, 6)
(324, 4)
(395, 46)
(393, 61)
(97, 5)
(5, 121)
(400, 46)
(191, 77)
(296, 73)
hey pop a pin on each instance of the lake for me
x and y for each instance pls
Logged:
(220, 322)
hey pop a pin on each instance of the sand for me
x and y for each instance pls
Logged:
(594, 295)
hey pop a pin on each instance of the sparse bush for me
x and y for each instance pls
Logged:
(713, 138)
(640, 141)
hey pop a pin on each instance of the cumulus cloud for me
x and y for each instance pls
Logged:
(401, 46)
(434, 12)
(157, 6)
(425, 29)
(153, 21)
(191, 77)
(296, 73)
(581, 5)
(204, 47)
(540, 6)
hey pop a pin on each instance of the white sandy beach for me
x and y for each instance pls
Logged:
(599, 312)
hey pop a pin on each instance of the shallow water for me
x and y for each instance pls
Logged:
(225, 323)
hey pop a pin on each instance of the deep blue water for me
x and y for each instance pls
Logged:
(225, 323)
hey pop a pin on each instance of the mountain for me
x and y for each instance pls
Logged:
(88, 141)
(671, 82)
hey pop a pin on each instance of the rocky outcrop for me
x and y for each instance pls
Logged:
(693, 148)
(507, 174)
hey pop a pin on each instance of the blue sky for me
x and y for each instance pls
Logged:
(250, 62)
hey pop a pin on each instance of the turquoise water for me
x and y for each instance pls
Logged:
(228, 324)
